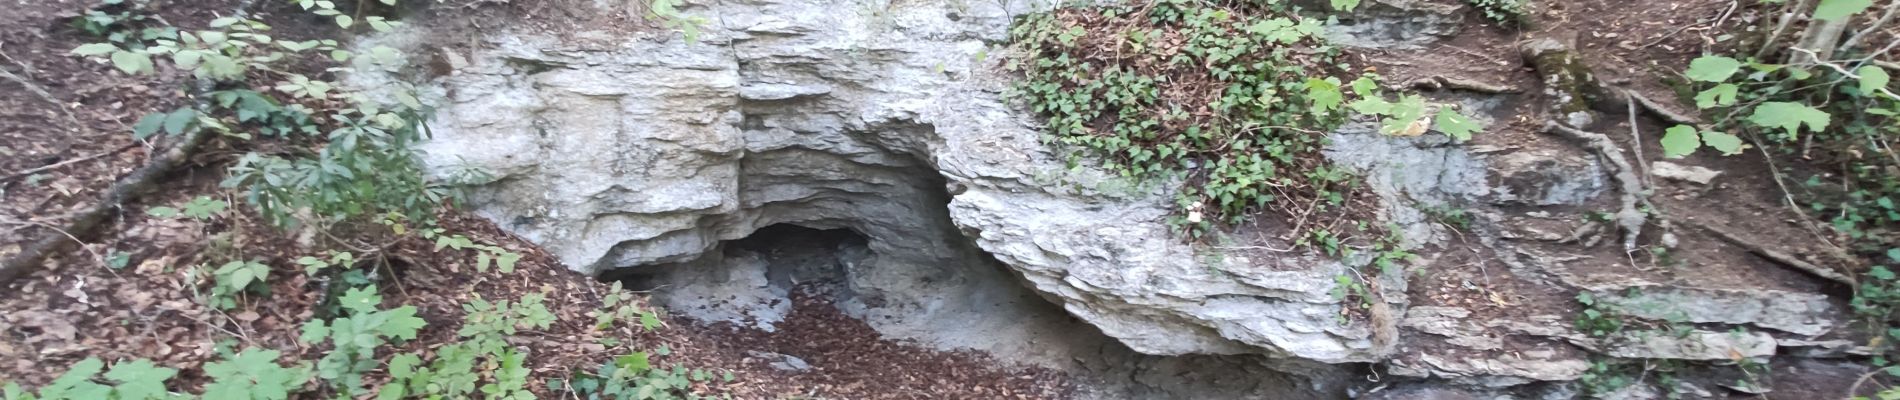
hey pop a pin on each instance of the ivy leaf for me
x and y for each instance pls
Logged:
(1881, 272)
(1712, 68)
(1720, 95)
(1325, 93)
(402, 323)
(403, 366)
(361, 300)
(76, 383)
(1345, 5)
(1872, 79)
(140, 379)
(506, 262)
(148, 125)
(162, 212)
(314, 331)
(178, 120)
(131, 62)
(1372, 106)
(1457, 126)
(1722, 141)
(1679, 141)
(1365, 86)
(1830, 10)
(1789, 116)
(95, 49)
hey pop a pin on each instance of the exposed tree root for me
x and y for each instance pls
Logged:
(1660, 111)
(1573, 92)
(86, 222)
(1777, 256)
(1636, 208)
(1439, 82)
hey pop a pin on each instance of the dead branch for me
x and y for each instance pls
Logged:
(1660, 111)
(1438, 82)
(31, 171)
(126, 189)
(1781, 27)
(1886, 16)
(1776, 256)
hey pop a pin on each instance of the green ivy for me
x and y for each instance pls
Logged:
(1236, 97)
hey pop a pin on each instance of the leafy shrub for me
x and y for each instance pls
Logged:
(234, 278)
(365, 163)
(251, 375)
(1236, 98)
(619, 305)
(1503, 11)
(458, 369)
(354, 338)
(632, 377)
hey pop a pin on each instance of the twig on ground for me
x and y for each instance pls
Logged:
(1817, 60)
(1777, 256)
(1788, 199)
(1781, 27)
(1892, 9)
(1436, 82)
(31, 171)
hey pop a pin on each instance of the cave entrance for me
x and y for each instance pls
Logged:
(751, 281)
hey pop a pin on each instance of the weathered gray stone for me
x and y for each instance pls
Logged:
(1686, 173)
(640, 154)
(1545, 177)
(1396, 23)
(1692, 345)
(1798, 313)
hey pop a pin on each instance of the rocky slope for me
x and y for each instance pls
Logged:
(638, 153)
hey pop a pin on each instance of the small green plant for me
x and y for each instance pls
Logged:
(130, 380)
(1604, 377)
(335, 259)
(365, 162)
(253, 375)
(667, 13)
(632, 377)
(120, 21)
(1502, 11)
(486, 255)
(199, 208)
(235, 278)
(619, 305)
(355, 337)
(1454, 217)
(460, 369)
(1598, 319)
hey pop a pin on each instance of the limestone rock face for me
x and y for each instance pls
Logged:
(642, 151)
